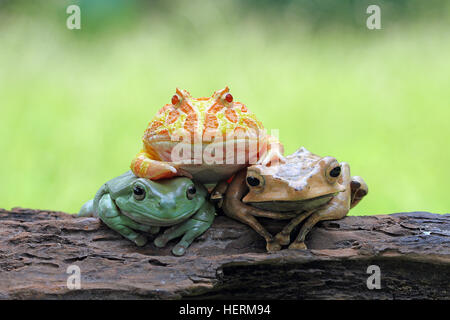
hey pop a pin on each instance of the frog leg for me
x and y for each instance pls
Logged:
(337, 208)
(189, 229)
(284, 236)
(113, 218)
(218, 193)
(268, 214)
(87, 210)
(154, 230)
(359, 190)
(147, 165)
(234, 208)
(273, 153)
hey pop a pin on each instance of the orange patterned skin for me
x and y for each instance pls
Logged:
(211, 123)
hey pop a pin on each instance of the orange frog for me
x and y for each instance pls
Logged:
(208, 139)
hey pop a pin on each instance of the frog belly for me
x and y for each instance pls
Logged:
(211, 174)
(292, 206)
(201, 163)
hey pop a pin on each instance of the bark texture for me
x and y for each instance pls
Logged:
(228, 261)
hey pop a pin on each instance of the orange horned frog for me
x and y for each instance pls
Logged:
(208, 139)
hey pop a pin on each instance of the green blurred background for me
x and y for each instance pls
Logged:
(75, 103)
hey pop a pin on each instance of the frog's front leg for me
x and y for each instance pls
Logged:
(190, 229)
(113, 218)
(337, 208)
(218, 193)
(284, 236)
(154, 230)
(359, 190)
(234, 208)
(145, 165)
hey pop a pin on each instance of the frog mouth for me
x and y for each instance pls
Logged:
(231, 146)
(293, 206)
(153, 220)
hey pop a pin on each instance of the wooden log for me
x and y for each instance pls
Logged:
(412, 251)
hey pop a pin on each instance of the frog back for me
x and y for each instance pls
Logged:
(121, 184)
(115, 187)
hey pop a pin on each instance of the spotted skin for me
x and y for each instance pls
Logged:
(200, 120)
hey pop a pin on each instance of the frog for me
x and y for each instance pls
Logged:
(305, 187)
(128, 204)
(211, 123)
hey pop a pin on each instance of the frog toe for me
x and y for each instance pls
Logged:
(154, 230)
(282, 239)
(160, 242)
(179, 250)
(140, 241)
(273, 246)
(298, 245)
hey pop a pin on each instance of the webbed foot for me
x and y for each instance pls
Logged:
(298, 245)
(180, 249)
(189, 230)
(161, 241)
(154, 230)
(273, 246)
(283, 239)
(114, 219)
(140, 240)
(272, 157)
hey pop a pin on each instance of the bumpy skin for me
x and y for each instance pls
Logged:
(128, 203)
(304, 187)
(211, 123)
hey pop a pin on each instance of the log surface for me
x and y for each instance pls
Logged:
(228, 261)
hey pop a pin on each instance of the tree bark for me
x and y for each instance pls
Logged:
(228, 261)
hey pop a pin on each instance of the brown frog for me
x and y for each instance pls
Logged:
(303, 186)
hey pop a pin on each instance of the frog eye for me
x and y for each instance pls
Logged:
(138, 192)
(333, 171)
(190, 192)
(176, 99)
(227, 97)
(254, 180)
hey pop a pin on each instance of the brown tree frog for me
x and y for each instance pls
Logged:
(303, 187)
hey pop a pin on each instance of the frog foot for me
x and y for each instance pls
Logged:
(298, 245)
(180, 249)
(358, 189)
(272, 157)
(218, 193)
(145, 167)
(273, 246)
(154, 230)
(140, 240)
(161, 241)
(282, 239)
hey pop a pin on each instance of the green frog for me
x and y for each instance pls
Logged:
(128, 203)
